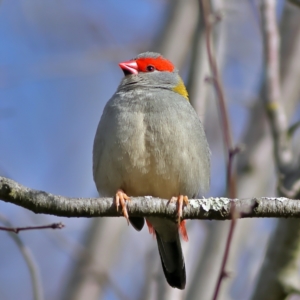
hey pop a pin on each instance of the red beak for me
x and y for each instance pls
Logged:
(129, 67)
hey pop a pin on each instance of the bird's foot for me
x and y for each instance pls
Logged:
(121, 198)
(180, 200)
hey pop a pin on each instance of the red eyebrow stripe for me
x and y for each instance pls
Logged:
(160, 63)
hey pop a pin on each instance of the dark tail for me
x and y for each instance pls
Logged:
(137, 223)
(172, 261)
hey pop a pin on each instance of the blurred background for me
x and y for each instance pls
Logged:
(58, 68)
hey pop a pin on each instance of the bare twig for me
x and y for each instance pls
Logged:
(278, 277)
(29, 259)
(235, 214)
(274, 109)
(207, 17)
(18, 229)
(208, 21)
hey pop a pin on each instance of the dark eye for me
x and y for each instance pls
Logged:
(150, 68)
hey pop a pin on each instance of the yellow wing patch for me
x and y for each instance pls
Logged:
(180, 89)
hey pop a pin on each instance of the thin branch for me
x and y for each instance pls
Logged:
(206, 208)
(231, 185)
(208, 22)
(273, 103)
(29, 259)
(18, 229)
(278, 277)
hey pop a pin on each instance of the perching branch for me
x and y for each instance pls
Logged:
(206, 208)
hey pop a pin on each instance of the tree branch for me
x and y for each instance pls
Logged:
(206, 208)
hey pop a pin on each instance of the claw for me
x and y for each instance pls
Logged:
(121, 198)
(180, 201)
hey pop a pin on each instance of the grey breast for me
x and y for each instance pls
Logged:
(150, 143)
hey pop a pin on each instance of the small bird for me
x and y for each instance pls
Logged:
(150, 142)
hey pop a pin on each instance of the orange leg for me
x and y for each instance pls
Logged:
(180, 201)
(121, 198)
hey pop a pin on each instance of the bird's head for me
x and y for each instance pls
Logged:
(151, 69)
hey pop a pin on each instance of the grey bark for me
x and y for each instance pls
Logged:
(217, 208)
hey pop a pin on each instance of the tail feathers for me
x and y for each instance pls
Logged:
(137, 223)
(172, 261)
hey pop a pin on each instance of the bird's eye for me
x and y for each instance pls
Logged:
(150, 68)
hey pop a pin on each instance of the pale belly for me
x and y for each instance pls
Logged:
(146, 152)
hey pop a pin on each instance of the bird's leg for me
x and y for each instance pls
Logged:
(121, 198)
(180, 200)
